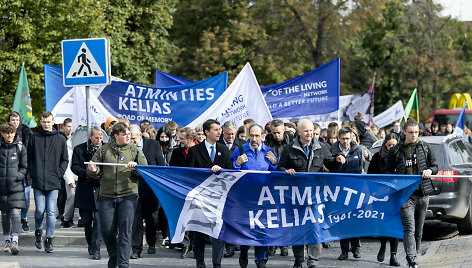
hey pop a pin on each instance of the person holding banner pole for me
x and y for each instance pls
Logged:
(377, 166)
(148, 204)
(412, 156)
(306, 154)
(214, 155)
(355, 160)
(254, 155)
(118, 197)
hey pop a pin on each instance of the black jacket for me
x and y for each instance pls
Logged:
(377, 164)
(293, 156)
(354, 160)
(47, 159)
(13, 167)
(396, 159)
(24, 133)
(179, 157)
(365, 138)
(198, 157)
(276, 146)
(237, 142)
(152, 152)
(87, 189)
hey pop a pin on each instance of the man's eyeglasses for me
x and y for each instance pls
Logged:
(125, 134)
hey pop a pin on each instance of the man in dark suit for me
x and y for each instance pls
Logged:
(229, 138)
(214, 155)
(148, 205)
(86, 193)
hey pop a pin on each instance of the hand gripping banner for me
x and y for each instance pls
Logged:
(274, 208)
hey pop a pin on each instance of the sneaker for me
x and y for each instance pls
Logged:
(7, 246)
(39, 239)
(80, 223)
(25, 226)
(283, 251)
(48, 245)
(14, 248)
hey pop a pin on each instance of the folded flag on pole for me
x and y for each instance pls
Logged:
(412, 107)
(274, 208)
(459, 129)
(22, 102)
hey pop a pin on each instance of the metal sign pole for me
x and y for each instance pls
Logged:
(87, 102)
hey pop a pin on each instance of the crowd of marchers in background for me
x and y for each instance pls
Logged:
(116, 205)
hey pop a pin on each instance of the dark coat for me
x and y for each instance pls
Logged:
(179, 157)
(47, 159)
(293, 156)
(24, 133)
(13, 167)
(198, 157)
(87, 189)
(152, 152)
(237, 142)
(276, 146)
(365, 138)
(354, 160)
(377, 164)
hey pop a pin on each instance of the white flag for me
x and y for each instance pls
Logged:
(396, 112)
(241, 100)
(98, 113)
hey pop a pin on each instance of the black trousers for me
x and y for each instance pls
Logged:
(199, 248)
(151, 220)
(355, 243)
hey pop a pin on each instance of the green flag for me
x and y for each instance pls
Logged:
(22, 102)
(412, 108)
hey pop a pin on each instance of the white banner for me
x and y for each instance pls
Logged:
(242, 100)
(396, 112)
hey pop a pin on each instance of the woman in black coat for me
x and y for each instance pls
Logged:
(377, 166)
(13, 166)
(23, 133)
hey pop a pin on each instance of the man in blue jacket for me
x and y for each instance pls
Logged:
(255, 155)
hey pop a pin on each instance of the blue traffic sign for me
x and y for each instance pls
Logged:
(86, 62)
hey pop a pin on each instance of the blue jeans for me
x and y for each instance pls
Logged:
(46, 201)
(24, 211)
(413, 213)
(260, 253)
(116, 216)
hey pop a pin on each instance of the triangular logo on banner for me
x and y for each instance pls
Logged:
(84, 65)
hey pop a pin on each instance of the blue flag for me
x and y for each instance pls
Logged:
(459, 129)
(316, 92)
(274, 208)
(167, 80)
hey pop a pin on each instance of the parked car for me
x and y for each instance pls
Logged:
(454, 201)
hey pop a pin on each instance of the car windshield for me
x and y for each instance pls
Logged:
(460, 153)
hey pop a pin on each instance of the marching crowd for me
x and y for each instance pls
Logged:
(114, 201)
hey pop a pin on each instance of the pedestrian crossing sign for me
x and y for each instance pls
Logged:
(86, 62)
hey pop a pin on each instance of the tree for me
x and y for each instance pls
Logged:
(31, 31)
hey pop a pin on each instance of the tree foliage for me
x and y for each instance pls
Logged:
(406, 43)
(31, 31)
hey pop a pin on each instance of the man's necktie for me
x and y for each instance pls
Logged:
(212, 153)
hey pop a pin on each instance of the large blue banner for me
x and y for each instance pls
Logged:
(168, 80)
(54, 89)
(274, 208)
(316, 92)
(182, 103)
